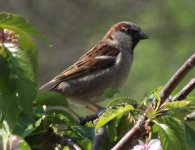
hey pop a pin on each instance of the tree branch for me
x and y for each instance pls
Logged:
(136, 131)
(185, 91)
(176, 78)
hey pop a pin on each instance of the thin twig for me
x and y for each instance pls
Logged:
(164, 94)
(99, 138)
(176, 78)
(64, 141)
(190, 117)
(100, 135)
(185, 91)
(131, 135)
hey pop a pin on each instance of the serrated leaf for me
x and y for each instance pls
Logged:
(167, 138)
(121, 100)
(50, 98)
(110, 114)
(177, 104)
(178, 129)
(171, 134)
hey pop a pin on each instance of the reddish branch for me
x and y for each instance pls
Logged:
(136, 131)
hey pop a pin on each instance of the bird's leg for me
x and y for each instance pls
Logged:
(91, 108)
(74, 113)
(94, 104)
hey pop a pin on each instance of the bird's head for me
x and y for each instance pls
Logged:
(125, 34)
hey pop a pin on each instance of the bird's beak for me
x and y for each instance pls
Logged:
(141, 35)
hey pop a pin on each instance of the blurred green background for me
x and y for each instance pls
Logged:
(74, 26)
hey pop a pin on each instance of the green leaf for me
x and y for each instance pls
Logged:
(50, 98)
(26, 126)
(78, 134)
(85, 144)
(167, 137)
(123, 100)
(177, 104)
(171, 133)
(24, 145)
(8, 105)
(5, 131)
(190, 136)
(118, 127)
(84, 132)
(57, 116)
(18, 62)
(152, 97)
(19, 78)
(110, 114)
(112, 129)
(158, 100)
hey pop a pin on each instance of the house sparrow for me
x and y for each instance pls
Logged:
(106, 65)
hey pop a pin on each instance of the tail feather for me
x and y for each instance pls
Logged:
(49, 85)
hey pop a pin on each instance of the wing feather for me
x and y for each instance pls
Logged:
(100, 56)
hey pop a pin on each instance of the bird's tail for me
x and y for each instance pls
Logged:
(49, 85)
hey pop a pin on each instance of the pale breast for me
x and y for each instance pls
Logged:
(123, 65)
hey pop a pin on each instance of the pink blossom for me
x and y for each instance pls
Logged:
(152, 145)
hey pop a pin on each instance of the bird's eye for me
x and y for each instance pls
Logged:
(131, 31)
(128, 31)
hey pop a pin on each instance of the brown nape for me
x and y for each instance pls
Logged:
(117, 27)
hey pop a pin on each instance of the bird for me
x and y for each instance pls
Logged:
(106, 65)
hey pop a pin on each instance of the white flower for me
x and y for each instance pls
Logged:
(152, 145)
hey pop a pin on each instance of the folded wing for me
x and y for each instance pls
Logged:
(99, 57)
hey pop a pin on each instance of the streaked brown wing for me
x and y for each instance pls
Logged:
(88, 63)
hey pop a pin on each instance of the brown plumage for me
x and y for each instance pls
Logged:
(106, 65)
